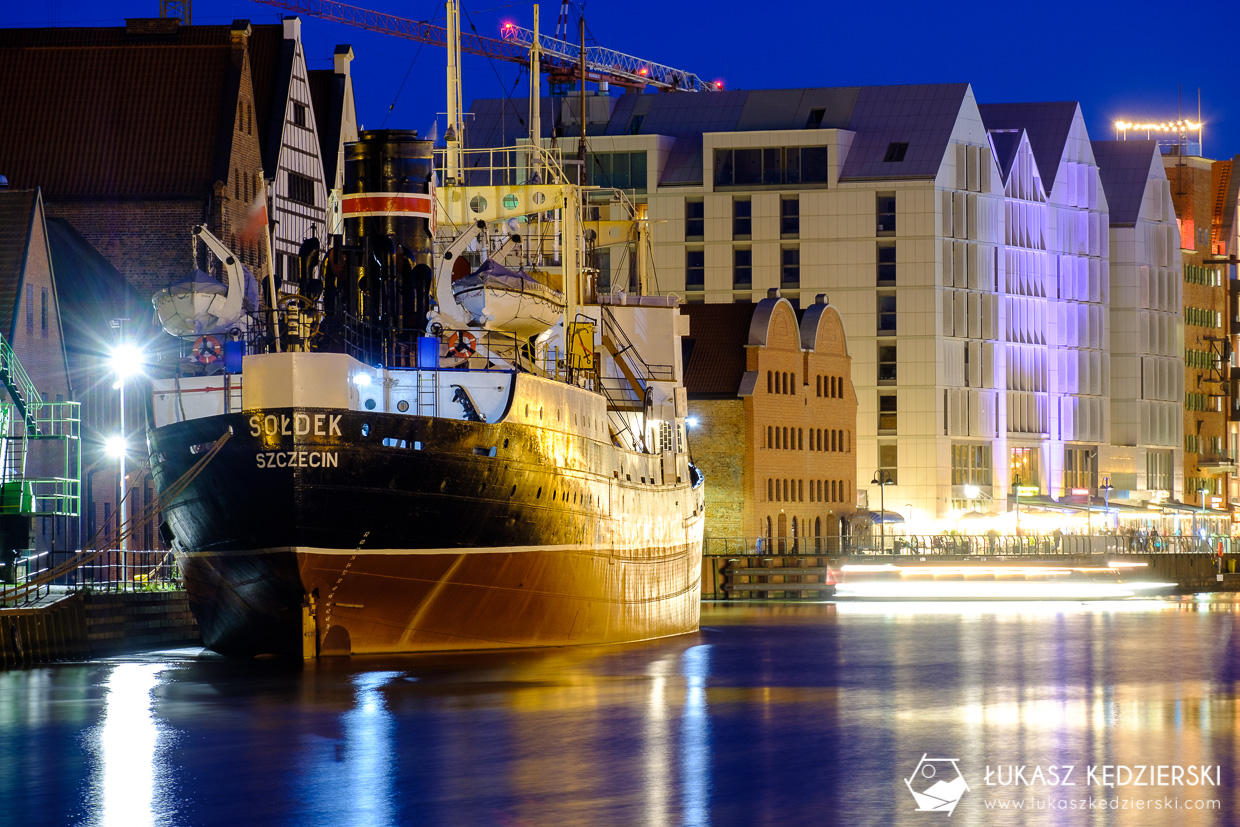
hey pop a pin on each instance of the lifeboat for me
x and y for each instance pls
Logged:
(512, 301)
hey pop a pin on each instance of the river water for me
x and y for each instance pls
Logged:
(771, 714)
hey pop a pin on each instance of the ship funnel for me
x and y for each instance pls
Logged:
(388, 208)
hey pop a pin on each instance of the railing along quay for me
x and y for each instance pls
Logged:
(1039, 545)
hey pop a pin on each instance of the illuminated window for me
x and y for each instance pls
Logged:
(887, 363)
(886, 413)
(887, 454)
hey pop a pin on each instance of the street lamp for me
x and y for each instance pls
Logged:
(126, 360)
(882, 479)
(1204, 530)
(1016, 489)
(1107, 488)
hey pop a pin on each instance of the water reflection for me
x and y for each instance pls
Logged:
(775, 714)
(357, 785)
(129, 785)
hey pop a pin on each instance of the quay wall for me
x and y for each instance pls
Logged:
(81, 626)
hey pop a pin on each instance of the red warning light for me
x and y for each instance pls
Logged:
(718, 84)
(642, 71)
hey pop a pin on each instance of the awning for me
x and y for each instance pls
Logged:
(884, 517)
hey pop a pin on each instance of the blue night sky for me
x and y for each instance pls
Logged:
(1108, 56)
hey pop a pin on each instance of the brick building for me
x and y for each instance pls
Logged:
(1197, 187)
(783, 384)
(135, 135)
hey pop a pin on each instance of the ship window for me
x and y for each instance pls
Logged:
(510, 201)
(513, 492)
(443, 486)
(402, 405)
(478, 204)
(370, 404)
(417, 446)
(505, 442)
(365, 429)
(538, 496)
(485, 452)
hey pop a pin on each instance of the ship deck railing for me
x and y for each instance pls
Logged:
(506, 166)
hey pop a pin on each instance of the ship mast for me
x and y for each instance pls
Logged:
(453, 136)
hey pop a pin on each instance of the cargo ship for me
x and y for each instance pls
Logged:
(444, 436)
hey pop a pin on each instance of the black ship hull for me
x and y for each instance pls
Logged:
(326, 531)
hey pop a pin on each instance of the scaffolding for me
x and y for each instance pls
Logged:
(26, 419)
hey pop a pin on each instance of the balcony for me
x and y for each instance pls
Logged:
(1217, 463)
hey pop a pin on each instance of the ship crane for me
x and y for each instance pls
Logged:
(560, 60)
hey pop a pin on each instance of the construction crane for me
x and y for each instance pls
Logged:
(560, 60)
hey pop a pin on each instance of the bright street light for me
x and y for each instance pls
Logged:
(126, 360)
(115, 445)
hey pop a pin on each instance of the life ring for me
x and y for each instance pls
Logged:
(462, 344)
(207, 349)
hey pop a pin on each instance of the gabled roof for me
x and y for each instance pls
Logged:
(119, 112)
(17, 211)
(923, 116)
(271, 69)
(327, 98)
(1124, 169)
(1006, 145)
(715, 347)
(1046, 124)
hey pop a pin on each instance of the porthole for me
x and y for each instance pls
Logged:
(538, 198)
(505, 442)
(478, 203)
(370, 404)
(402, 405)
(513, 492)
(511, 201)
(538, 496)
(443, 486)
(365, 429)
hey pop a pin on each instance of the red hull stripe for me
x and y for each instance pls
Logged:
(358, 205)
